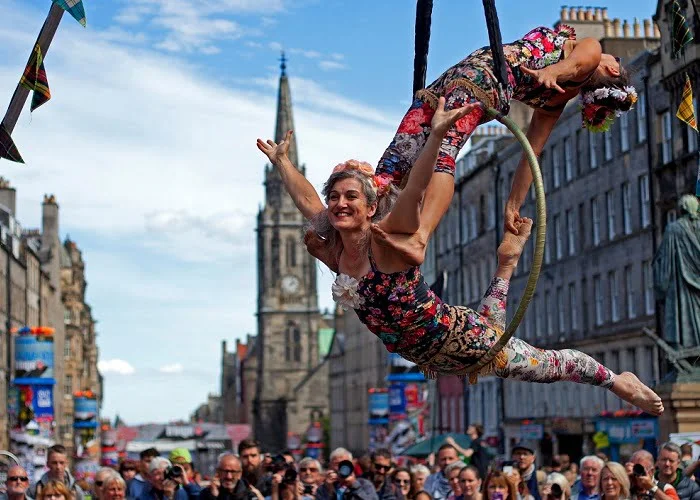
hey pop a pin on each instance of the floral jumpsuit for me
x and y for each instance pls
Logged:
(400, 308)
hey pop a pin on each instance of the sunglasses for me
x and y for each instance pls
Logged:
(402, 481)
(99, 483)
(24, 479)
(308, 469)
(382, 467)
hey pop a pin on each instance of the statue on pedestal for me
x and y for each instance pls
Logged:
(677, 276)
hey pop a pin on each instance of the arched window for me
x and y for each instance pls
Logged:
(292, 343)
(291, 252)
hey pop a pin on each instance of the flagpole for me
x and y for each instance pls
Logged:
(44, 39)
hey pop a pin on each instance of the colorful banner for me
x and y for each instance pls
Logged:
(397, 402)
(74, 8)
(84, 413)
(378, 406)
(34, 359)
(628, 430)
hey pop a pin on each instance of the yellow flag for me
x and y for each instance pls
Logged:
(686, 110)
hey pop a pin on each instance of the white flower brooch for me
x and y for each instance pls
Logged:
(345, 292)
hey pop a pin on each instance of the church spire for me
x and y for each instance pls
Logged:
(285, 120)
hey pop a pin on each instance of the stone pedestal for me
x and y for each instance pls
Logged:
(682, 408)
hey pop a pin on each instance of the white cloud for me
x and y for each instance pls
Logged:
(172, 368)
(331, 65)
(117, 366)
(276, 46)
(309, 54)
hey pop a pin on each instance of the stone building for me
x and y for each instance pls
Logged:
(42, 273)
(283, 379)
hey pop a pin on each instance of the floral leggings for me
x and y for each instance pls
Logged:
(521, 361)
(414, 130)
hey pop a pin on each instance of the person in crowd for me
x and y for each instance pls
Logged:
(113, 488)
(614, 483)
(524, 461)
(101, 476)
(476, 453)
(310, 475)
(284, 489)
(135, 487)
(380, 469)
(437, 484)
(342, 483)
(521, 487)
(56, 490)
(669, 470)
(556, 487)
(420, 474)
(643, 485)
(498, 487)
(452, 475)
(686, 455)
(181, 457)
(228, 482)
(423, 495)
(565, 461)
(404, 480)
(128, 469)
(57, 462)
(470, 482)
(254, 470)
(363, 466)
(158, 486)
(589, 486)
(16, 484)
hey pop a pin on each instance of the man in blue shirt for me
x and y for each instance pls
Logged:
(588, 487)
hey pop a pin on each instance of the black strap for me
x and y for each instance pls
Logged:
(496, 43)
(424, 12)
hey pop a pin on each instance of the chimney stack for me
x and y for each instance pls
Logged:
(626, 29)
(605, 13)
(616, 27)
(647, 28)
(657, 33)
(50, 241)
(564, 14)
(608, 28)
(589, 14)
(573, 15)
(598, 14)
(8, 196)
(637, 28)
(581, 14)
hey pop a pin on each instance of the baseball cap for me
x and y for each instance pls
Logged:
(522, 445)
(181, 455)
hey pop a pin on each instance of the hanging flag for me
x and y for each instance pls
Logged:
(686, 110)
(680, 31)
(34, 78)
(74, 8)
(8, 149)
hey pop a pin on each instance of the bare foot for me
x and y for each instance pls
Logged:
(410, 246)
(628, 387)
(512, 246)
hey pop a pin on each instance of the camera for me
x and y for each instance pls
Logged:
(279, 464)
(173, 473)
(345, 469)
(557, 492)
(638, 470)
(308, 489)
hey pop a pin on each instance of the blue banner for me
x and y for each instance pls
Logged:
(34, 359)
(43, 401)
(397, 401)
(628, 430)
(378, 404)
(84, 413)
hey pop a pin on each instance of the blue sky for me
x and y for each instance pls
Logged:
(149, 146)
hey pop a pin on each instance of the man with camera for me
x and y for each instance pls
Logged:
(161, 485)
(669, 470)
(182, 472)
(228, 483)
(524, 459)
(310, 476)
(341, 482)
(644, 486)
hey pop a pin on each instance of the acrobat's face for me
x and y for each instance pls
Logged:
(347, 206)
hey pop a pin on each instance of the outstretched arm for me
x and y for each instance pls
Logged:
(299, 188)
(541, 126)
(405, 215)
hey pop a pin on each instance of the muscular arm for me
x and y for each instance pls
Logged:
(300, 189)
(581, 62)
(538, 132)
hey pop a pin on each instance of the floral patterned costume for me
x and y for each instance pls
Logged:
(413, 322)
(473, 80)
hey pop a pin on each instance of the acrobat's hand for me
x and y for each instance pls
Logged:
(545, 76)
(511, 217)
(275, 152)
(443, 120)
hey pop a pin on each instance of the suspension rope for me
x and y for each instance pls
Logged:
(424, 11)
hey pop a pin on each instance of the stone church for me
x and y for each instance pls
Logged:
(285, 381)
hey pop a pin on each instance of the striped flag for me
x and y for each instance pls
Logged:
(74, 8)
(686, 109)
(680, 32)
(8, 149)
(34, 78)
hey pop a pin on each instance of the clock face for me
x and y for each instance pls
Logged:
(290, 284)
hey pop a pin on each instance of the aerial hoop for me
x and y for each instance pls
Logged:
(423, 20)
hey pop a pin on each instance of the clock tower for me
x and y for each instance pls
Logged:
(286, 346)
